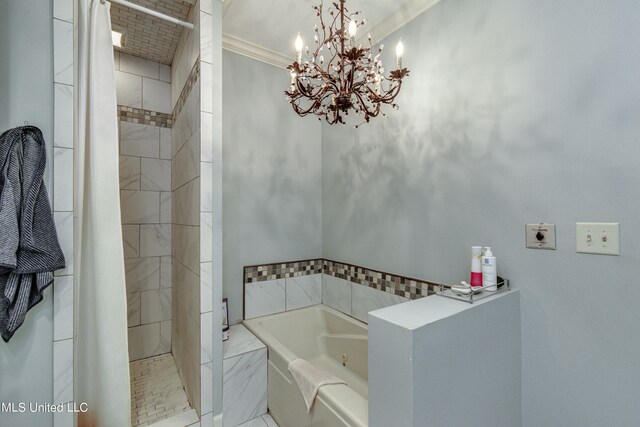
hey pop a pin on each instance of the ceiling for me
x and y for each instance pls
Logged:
(149, 37)
(263, 30)
(275, 24)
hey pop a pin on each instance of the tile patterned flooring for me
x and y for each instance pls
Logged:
(157, 392)
(263, 421)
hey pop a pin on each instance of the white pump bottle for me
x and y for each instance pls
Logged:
(489, 271)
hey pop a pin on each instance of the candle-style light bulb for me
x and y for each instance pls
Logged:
(298, 44)
(399, 53)
(353, 30)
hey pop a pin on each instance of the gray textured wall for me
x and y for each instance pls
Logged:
(26, 94)
(515, 112)
(271, 174)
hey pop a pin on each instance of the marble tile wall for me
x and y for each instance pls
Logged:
(145, 197)
(63, 190)
(275, 296)
(191, 331)
(205, 148)
(244, 377)
(301, 284)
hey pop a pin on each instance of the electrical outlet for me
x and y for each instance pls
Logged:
(540, 236)
(601, 238)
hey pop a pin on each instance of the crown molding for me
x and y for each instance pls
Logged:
(392, 23)
(254, 51)
(398, 19)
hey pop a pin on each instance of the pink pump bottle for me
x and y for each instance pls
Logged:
(476, 266)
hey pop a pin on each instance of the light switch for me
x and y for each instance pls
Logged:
(540, 236)
(598, 238)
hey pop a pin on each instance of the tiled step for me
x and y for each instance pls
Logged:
(245, 378)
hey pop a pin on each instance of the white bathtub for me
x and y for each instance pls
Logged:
(320, 335)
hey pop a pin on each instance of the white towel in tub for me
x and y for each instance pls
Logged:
(310, 378)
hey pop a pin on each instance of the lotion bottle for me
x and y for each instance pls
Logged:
(489, 271)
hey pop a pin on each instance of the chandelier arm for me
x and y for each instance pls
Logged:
(328, 79)
(301, 111)
(390, 96)
(351, 79)
(310, 94)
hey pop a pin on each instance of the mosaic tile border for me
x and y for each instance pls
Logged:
(144, 117)
(282, 270)
(194, 75)
(392, 283)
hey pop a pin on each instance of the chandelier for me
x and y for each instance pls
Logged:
(339, 76)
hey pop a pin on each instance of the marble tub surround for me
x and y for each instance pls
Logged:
(350, 289)
(244, 378)
(145, 196)
(393, 283)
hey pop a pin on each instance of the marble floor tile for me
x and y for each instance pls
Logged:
(270, 421)
(256, 422)
(157, 394)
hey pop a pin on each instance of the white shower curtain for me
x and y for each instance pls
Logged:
(101, 354)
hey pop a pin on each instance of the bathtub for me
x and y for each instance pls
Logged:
(324, 337)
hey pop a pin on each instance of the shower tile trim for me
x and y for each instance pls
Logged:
(194, 75)
(396, 284)
(144, 117)
(62, 190)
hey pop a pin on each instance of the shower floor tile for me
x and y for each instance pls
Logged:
(157, 392)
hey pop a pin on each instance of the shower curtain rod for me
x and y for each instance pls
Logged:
(142, 9)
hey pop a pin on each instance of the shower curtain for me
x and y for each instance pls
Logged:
(101, 348)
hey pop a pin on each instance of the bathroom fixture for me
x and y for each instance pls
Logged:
(117, 38)
(151, 12)
(540, 236)
(321, 335)
(339, 75)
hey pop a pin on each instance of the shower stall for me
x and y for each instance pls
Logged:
(166, 59)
